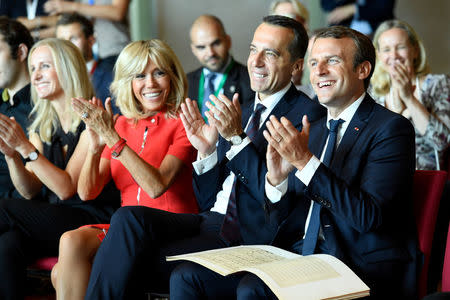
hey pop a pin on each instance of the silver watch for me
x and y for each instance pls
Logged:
(237, 139)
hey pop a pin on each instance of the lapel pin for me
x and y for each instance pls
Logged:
(232, 88)
(357, 128)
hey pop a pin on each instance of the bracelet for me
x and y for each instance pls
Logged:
(118, 147)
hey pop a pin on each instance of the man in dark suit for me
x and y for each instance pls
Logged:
(228, 178)
(220, 73)
(355, 203)
(15, 43)
(80, 31)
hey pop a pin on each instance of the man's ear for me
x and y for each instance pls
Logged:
(22, 52)
(364, 70)
(228, 39)
(298, 66)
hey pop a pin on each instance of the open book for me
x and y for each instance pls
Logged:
(288, 275)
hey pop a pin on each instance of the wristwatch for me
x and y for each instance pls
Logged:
(237, 139)
(32, 156)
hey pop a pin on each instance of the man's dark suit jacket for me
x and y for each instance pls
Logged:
(18, 8)
(20, 111)
(366, 214)
(249, 166)
(238, 81)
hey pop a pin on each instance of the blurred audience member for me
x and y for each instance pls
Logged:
(402, 83)
(30, 13)
(361, 15)
(109, 18)
(220, 73)
(15, 43)
(291, 8)
(80, 31)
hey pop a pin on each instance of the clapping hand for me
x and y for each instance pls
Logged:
(13, 137)
(98, 119)
(290, 145)
(201, 135)
(401, 77)
(225, 115)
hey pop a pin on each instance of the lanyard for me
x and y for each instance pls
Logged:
(201, 88)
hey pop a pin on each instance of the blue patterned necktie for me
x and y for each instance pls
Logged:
(230, 228)
(310, 241)
(209, 89)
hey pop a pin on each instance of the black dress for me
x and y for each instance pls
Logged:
(31, 228)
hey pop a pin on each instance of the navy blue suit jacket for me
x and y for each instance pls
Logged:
(238, 81)
(249, 166)
(18, 8)
(366, 215)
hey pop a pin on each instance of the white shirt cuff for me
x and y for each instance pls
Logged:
(274, 193)
(202, 166)
(234, 150)
(308, 171)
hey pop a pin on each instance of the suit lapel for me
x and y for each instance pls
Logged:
(354, 129)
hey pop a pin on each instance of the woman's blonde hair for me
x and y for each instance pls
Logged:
(72, 74)
(381, 83)
(301, 10)
(133, 60)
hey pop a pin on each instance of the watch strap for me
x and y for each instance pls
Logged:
(28, 159)
(118, 147)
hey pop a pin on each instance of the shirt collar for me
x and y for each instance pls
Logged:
(348, 113)
(273, 99)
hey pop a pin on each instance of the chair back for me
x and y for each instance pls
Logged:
(428, 187)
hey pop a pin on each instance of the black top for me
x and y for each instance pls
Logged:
(105, 203)
(20, 111)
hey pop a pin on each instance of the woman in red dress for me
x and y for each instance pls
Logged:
(147, 153)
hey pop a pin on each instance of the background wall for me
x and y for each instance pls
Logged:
(170, 20)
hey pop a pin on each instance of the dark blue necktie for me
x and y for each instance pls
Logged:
(209, 89)
(230, 228)
(310, 241)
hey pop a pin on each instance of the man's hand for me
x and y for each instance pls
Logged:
(201, 135)
(291, 144)
(225, 115)
(278, 168)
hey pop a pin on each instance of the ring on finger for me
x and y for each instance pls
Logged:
(84, 115)
(280, 139)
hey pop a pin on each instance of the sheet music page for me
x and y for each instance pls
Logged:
(236, 258)
(298, 271)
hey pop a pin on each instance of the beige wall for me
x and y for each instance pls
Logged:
(170, 20)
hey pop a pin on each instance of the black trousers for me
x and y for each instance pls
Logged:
(30, 229)
(132, 258)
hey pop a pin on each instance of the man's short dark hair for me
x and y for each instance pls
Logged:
(297, 48)
(70, 18)
(15, 33)
(364, 47)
